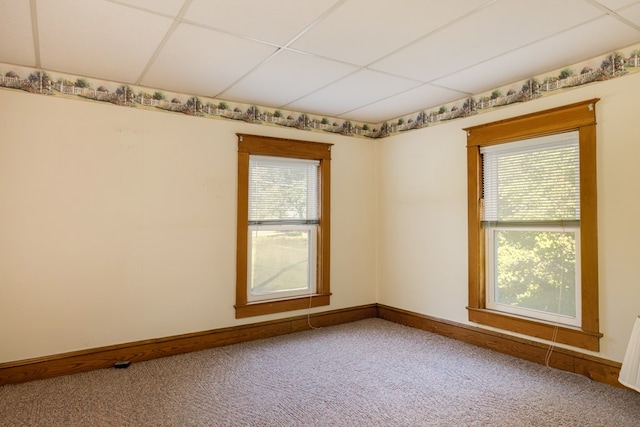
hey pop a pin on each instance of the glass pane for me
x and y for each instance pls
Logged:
(532, 180)
(536, 270)
(280, 261)
(539, 186)
(283, 189)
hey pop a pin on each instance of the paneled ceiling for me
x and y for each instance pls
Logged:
(362, 60)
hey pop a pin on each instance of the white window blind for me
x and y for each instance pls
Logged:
(283, 190)
(534, 180)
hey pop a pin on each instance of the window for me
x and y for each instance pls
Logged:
(283, 225)
(532, 225)
(531, 222)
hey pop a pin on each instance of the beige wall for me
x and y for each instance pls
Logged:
(422, 211)
(118, 224)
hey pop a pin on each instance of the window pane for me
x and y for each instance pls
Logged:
(532, 180)
(280, 262)
(283, 189)
(536, 270)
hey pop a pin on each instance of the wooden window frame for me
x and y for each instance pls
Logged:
(574, 117)
(280, 147)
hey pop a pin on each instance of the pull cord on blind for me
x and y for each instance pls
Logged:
(532, 182)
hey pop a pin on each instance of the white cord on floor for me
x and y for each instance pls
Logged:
(547, 358)
(309, 311)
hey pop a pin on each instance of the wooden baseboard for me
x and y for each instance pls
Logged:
(595, 368)
(105, 357)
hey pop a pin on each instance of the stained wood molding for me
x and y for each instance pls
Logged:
(580, 117)
(105, 357)
(595, 368)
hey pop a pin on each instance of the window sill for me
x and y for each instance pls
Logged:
(575, 337)
(259, 308)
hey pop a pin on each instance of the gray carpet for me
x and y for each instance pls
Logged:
(366, 373)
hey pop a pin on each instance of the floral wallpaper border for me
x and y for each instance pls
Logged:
(43, 82)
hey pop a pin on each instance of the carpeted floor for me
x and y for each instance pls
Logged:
(366, 373)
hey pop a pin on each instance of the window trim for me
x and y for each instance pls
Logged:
(281, 147)
(574, 117)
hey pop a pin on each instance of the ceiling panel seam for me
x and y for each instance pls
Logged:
(435, 31)
(164, 40)
(284, 46)
(35, 33)
(614, 14)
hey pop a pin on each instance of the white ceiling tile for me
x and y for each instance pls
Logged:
(16, 43)
(359, 89)
(404, 103)
(95, 38)
(361, 32)
(632, 13)
(616, 4)
(165, 7)
(353, 59)
(273, 21)
(602, 36)
(494, 30)
(285, 78)
(203, 62)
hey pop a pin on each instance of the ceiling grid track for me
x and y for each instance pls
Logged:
(35, 32)
(164, 40)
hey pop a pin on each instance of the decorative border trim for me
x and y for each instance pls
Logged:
(605, 67)
(595, 368)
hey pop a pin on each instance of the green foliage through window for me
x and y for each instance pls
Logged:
(536, 270)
